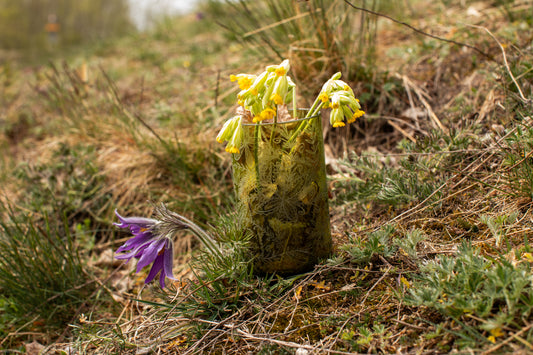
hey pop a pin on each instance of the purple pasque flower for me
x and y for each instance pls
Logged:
(148, 245)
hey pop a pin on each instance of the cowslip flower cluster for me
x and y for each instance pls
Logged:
(261, 95)
(338, 95)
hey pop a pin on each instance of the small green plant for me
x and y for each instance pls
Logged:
(378, 243)
(364, 337)
(223, 278)
(487, 296)
(369, 180)
(423, 167)
(497, 225)
(409, 242)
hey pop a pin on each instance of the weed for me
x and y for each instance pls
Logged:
(496, 225)
(377, 244)
(486, 296)
(371, 181)
(409, 242)
(518, 162)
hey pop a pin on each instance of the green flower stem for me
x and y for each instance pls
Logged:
(256, 156)
(317, 105)
(274, 127)
(294, 111)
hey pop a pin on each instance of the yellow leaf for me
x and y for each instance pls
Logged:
(319, 285)
(496, 332)
(405, 282)
(298, 292)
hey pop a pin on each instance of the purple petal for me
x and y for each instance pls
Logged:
(135, 253)
(134, 223)
(158, 265)
(162, 279)
(168, 260)
(136, 241)
(150, 253)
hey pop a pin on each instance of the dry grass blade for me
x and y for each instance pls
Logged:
(506, 64)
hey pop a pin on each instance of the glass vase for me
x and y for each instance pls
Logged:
(280, 182)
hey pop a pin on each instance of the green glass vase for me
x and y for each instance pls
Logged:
(280, 181)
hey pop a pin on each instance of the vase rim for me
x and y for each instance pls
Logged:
(284, 122)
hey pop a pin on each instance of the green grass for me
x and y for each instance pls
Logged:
(44, 279)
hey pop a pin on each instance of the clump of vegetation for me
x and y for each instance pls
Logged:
(44, 280)
(489, 298)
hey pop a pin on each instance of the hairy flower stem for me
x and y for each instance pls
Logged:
(172, 222)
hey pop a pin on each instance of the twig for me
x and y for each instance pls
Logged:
(522, 97)
(272, 25)
(421, 94)
(409, 324)
(420, 31)
(402, 131)
(289, 344)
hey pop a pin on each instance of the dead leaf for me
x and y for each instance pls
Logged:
(34, 348)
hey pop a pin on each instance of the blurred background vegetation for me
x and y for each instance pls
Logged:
(31, 24)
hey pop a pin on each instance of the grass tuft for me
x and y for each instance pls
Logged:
(43, 281)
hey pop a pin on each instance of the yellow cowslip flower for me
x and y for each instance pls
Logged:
(280, 90)
(278, 100)
(355, 116)
(243, 80)
(228, 129)
(344, 105)
(323, 96)
(358, 114)
(280, 71)
(336, 116)
(330, 84)
(234, 144)
(267, 114)
(335, 101)
(259, 84)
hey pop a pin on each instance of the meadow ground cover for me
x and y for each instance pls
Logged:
(430, 192)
